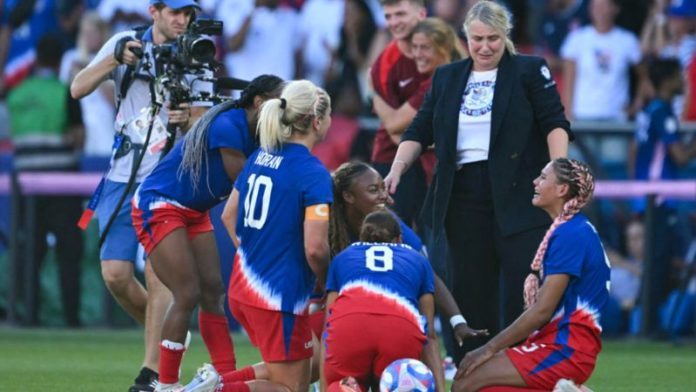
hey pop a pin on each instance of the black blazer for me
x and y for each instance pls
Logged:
(526, 108)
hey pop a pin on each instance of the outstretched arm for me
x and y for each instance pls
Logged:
(446, 303)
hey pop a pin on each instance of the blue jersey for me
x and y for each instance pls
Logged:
(656, 129)
(270, 269)
(380, 278)
(408, 236)
(575, 249)
(166, 182)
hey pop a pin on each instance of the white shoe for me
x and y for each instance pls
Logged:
(177, 387)
(449, 368)
(205, 380)
(565, 385)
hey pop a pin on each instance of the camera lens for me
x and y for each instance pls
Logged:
(202, 50)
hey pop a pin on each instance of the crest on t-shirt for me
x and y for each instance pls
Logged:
(545, 72)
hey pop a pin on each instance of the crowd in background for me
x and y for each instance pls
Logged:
(599, 52)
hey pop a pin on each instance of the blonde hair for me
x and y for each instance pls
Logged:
(300, 102)
(580, 181)
(495, 16)
(443, 36)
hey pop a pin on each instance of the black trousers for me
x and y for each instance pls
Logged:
(409, 196)
(58, 215)
(488, 269)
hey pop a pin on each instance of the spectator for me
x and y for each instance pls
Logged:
(123, 15)
(669, 32)
(656, 154)
(395, 78)
(320, 27)
(560, 18)
(22, 23)
(626, 275)
(97, 108)
(47, 134)
(597, 59)
(262, 38)
(347, 75)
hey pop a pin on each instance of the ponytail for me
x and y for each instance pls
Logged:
(300, 102)
(195, 143)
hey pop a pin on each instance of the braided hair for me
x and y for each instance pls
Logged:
(195, 143)
(343, 178)
(578, 177)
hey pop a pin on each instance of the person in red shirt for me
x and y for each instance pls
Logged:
(395, 79)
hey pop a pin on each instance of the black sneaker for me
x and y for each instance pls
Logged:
(145, 382)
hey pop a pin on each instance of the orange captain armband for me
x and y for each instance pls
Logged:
(318, 212)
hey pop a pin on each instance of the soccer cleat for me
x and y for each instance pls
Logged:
(145, 382)
(205, 380)
(169, 387)
(565, 385)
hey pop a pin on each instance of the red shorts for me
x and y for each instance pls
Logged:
(317, 317)
(362, 345)
(267, 331)
(541, 365)
(153, 225)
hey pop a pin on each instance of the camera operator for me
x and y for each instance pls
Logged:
(128, 59)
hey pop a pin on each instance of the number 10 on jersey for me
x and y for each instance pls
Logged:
(257, 184)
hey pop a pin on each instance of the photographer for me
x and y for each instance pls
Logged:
(130, 60)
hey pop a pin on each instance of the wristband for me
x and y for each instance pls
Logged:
(456, 320)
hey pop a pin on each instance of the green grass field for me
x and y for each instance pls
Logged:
(107, 360)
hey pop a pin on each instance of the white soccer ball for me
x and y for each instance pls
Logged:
(406, 375)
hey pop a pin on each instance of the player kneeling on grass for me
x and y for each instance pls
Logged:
(561, 324)
(380, 308)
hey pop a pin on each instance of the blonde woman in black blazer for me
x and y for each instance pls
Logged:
(495, 120)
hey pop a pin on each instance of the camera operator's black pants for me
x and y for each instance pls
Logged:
(488, 269)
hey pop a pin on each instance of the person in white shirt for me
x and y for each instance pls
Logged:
(597, 59)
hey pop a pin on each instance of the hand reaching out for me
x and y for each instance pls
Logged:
(463, 331)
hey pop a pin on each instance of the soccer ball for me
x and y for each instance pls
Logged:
(406, 375)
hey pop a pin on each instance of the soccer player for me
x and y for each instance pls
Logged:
(359, 190)
(170, 214)
(561, 323)
(380, 307)
(278, 217)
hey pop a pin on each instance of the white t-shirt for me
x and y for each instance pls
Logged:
(320, 26)
(474, 132)
(602, 65)
(98, 113)
(137, 99)
(270, 44)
